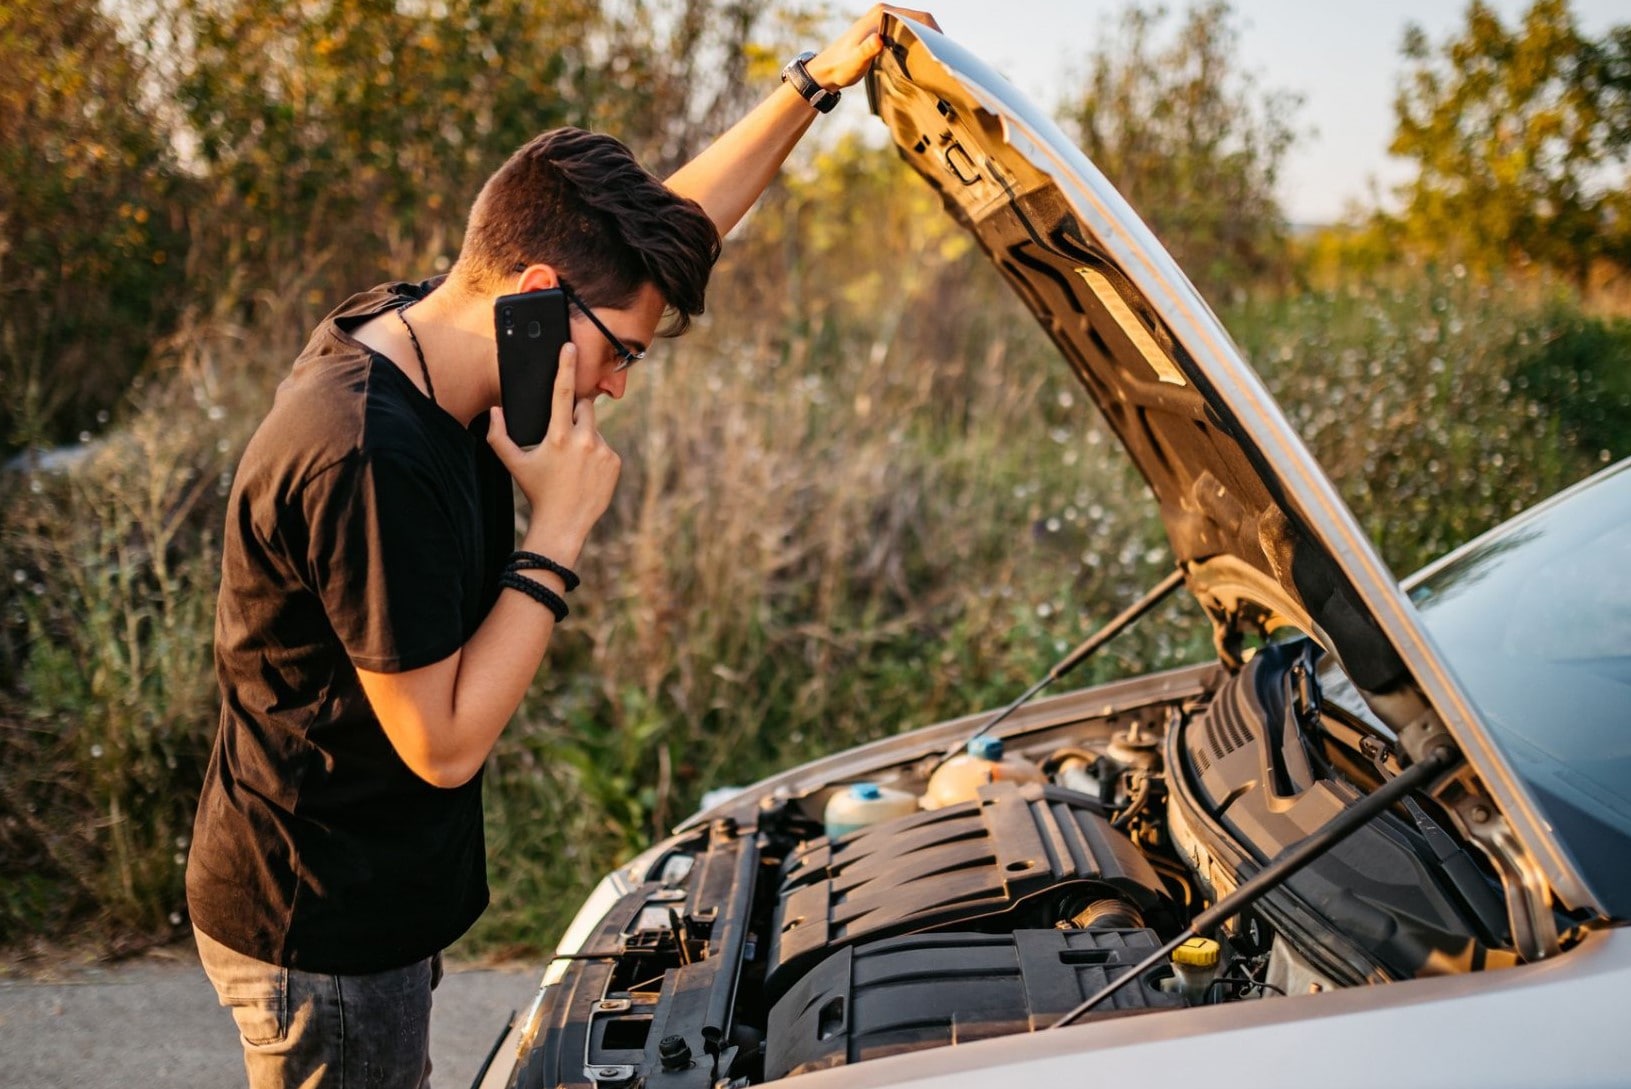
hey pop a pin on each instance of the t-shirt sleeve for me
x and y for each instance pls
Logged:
(383, 557)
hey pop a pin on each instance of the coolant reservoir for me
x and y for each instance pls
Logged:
(863, 805)
(960, 778)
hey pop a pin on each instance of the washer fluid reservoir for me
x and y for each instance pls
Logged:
(863, 805)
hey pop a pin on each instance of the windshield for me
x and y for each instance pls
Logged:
(1535, 618)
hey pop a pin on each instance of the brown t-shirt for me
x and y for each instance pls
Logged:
(366, 528)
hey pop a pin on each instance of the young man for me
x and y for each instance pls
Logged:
(375, 631)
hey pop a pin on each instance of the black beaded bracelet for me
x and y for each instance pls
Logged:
(540, 593)
(521, 560)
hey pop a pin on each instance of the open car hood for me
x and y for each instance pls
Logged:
(1260, 532)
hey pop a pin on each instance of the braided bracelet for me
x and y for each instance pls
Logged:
(540, 593)
(531, 561)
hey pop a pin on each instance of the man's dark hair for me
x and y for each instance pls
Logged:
(579, 201)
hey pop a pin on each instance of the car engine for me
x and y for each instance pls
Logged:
(756, 946)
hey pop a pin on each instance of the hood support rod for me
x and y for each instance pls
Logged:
(1438, 760)
(1082, 653)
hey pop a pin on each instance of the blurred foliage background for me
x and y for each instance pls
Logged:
(861, 496)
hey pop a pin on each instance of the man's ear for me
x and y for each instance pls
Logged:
(537, 278)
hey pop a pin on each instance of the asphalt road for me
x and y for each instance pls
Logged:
(155, 1022)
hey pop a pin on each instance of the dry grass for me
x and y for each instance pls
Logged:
(833, 525)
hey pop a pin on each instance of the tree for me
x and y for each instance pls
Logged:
(164, 157)
(90, 198)
(329, 127)
(1520, 138)
(1190, 142)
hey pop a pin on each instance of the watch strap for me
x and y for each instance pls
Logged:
(805, 84)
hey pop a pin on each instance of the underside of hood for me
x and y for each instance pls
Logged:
(1260, 532)
(1140, 339)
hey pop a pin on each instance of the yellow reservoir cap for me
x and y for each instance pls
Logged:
(1196, 953)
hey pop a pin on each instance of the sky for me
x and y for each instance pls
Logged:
(1343, 59)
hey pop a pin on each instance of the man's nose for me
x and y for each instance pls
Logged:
(614, 383)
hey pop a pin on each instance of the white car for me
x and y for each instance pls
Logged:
(1384, 839)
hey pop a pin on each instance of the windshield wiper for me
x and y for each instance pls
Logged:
(1463, 874)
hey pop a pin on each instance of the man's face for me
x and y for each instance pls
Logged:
(598, 358)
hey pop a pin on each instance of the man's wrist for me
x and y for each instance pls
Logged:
(798, 76)
(523, 560)
(561, 551)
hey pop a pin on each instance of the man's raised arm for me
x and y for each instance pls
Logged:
(728, 175)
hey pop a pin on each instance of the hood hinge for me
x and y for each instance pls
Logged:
(1528, 894)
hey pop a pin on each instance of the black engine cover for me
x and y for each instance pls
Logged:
(1018, 856)
(931, 990)
(1414, 905)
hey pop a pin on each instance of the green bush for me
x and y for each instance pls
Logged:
(1406, 390)
(1578, 368)
(112, 693)
(108, 700)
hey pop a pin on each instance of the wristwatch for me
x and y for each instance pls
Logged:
(804, 83)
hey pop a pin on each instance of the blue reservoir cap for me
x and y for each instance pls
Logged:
(865, 792)
(986, 748)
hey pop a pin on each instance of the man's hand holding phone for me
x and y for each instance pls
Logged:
(569, 477)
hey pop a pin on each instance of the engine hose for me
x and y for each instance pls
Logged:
(1135, 804)
(1177, 872)
(1069, 752)
(1108, 914)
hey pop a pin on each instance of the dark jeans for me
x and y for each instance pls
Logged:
(313, 1030)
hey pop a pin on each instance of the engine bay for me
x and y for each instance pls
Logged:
(768, 943)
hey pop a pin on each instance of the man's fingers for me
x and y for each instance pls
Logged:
(852, 53)
(913, 14)
(583, 415)
(498, 437)
(566, 388)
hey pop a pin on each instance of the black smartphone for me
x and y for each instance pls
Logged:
(531, 328)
